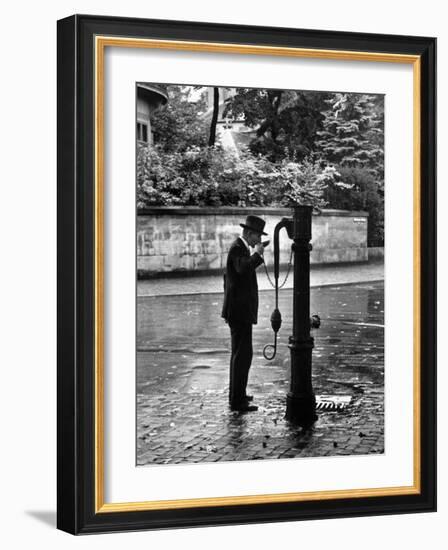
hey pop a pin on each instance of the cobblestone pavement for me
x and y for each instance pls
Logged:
(182, 379)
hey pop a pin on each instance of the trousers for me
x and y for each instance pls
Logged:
(240, 361)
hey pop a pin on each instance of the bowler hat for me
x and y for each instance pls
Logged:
(254, 223)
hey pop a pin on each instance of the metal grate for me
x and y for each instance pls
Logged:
(332, 402)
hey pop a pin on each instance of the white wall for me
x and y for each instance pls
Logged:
(27, 296)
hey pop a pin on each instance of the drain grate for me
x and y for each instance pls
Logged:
(332, 402)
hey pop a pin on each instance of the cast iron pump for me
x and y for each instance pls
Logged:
(301, 401)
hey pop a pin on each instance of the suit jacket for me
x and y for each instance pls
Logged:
(240, 285)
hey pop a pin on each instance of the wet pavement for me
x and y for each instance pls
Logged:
(320, 275)
(183, 350)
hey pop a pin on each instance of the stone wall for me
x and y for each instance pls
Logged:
(194, 239)
(376, 253)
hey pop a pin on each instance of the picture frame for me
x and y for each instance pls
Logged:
(82, 42)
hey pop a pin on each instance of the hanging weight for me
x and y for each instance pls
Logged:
(276, 320)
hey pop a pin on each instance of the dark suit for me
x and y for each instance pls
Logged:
(240, 310)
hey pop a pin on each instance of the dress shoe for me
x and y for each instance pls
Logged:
(249, 397)
(244, 407)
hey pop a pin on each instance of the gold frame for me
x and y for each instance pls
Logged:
(101, 42)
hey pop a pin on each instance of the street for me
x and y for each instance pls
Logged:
(183, 350)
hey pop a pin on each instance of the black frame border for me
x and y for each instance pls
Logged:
(76, 263)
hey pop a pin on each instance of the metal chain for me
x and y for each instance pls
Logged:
(286, 276)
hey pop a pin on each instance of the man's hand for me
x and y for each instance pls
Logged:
(259, 248)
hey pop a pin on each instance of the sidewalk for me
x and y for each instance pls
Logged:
(321, 275)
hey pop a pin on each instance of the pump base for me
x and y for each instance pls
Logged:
(301, 409)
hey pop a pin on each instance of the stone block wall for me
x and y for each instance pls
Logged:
(194, 239)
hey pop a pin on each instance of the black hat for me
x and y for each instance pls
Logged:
(254, 223)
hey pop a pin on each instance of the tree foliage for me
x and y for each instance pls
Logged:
(352, 133)
(317, 148)
(178, 126)
(361, 193)
(286, 121)
(213, 177)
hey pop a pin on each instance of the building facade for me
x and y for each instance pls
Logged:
(149, 98)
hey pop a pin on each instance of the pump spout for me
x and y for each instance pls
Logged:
(284, 222)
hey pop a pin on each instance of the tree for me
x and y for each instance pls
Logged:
(285, 121)
(212, 138)
(179, 126)
(352, 133)
(353, 139)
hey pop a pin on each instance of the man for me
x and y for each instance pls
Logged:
(240, 307)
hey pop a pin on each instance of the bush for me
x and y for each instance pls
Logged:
(307, 182)
(210, 176)
(363, 193)
(177, 178)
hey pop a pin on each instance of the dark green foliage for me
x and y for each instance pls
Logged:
(210, 176)
(175, 178)
(352, 133)
(353, 139)
(179, 126)
(286, 120)
(318, 148)
(363, 194)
